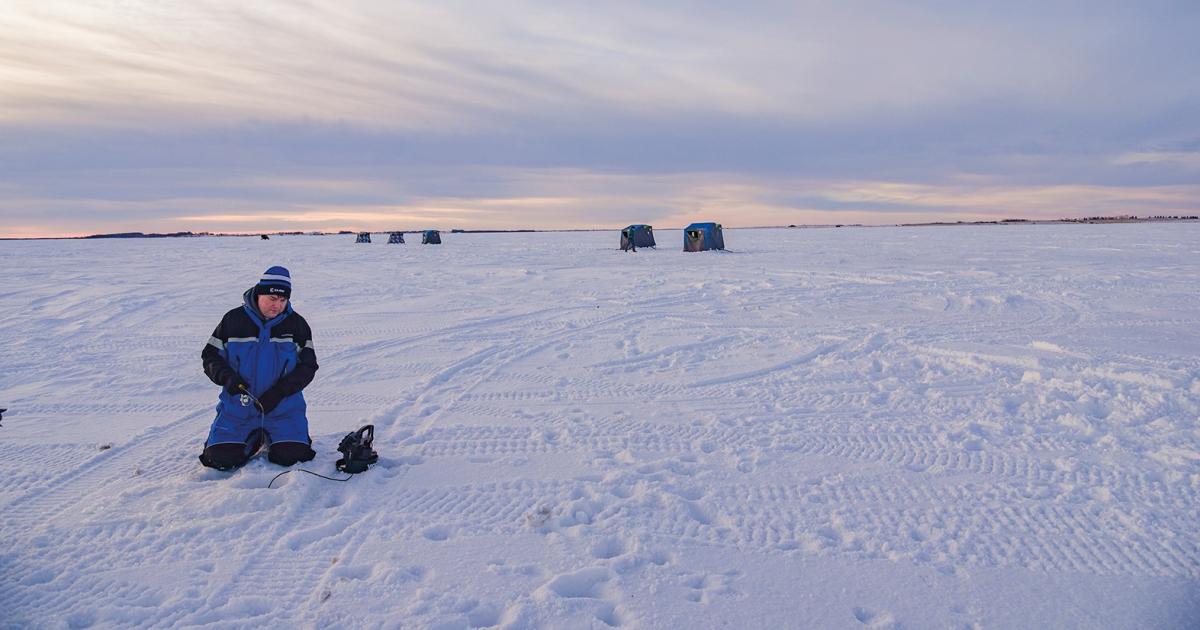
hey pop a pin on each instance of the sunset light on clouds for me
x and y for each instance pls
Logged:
(319, 115)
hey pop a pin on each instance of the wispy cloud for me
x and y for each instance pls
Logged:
(572, 198)
(1189, 159)
(411, 65)
(529, 114)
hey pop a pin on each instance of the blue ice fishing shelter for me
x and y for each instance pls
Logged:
(636, 236)
(363, 237)
(431, 237)
(699, 237)
(396, 238)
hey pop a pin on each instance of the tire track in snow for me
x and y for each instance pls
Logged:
(908, 453)
(952, 528)
(592, 393)
(30, 463)
(485, 365)
(106, 409)
(440, 380)
(290, 565)
(377, 345)
(771, 370)
(43, 506)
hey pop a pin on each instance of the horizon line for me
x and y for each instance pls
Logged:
(1124, 218)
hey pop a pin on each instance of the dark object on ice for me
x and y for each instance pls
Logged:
(363, 237)
(265, 237)
(396, 238)
(290, 453)
(431, 237)
(2, 414)
(637, 235)
(230, 456)
(356, 451)
(699, 237)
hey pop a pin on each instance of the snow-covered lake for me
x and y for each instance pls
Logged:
(976, 426)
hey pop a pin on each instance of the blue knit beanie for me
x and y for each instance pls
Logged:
(275, 281)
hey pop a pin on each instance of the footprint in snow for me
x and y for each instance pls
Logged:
(438, 533)
(586, 583)
(589, 586)
(704, 587)
(609, 547)
(873, 619)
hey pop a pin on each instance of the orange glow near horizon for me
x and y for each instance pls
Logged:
(735, 202)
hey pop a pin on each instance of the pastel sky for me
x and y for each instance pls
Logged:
(234, 116)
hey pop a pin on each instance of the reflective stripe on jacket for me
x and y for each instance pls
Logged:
(262, 353)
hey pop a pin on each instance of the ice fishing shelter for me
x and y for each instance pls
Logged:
(636, 236)
(431, 237)
(699, 237)
(363, 237)
(396, 238)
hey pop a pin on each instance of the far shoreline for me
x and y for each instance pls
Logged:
(1124, 219)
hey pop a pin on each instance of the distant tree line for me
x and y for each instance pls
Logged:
(1132, 217)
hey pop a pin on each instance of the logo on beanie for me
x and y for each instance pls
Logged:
(275, 281)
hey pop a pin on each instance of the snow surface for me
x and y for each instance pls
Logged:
(827, 428)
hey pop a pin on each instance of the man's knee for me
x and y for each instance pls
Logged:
(288, 453)
(224, 456)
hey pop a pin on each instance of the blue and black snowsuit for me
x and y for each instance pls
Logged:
(275, 359)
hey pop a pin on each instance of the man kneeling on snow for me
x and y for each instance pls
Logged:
(261, 354)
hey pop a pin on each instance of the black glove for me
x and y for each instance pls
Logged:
(235, 385)
(270, 399)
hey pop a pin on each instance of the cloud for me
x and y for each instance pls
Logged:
(528, 114)
(505, 198)
(477, 65)
(1189, 159)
